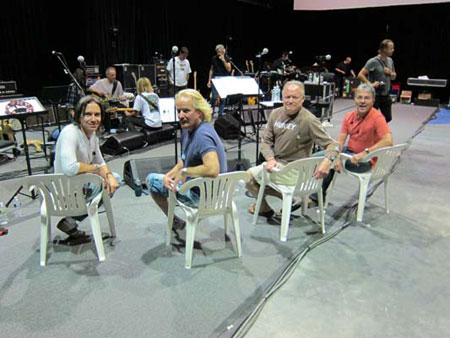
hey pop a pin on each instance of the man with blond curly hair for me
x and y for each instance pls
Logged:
(202, 154)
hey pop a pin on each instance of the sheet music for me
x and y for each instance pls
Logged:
(20, 105)
(230, 85)
(167, 109)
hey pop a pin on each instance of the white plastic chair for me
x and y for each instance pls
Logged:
(63, 196)
(216, 198)
(306, 185)
(381, 170)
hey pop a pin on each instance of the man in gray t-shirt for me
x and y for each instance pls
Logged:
(379, 71)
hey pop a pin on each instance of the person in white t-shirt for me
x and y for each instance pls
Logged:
(182, 71)
(78, 152)
(145, 112)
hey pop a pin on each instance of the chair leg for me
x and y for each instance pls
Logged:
(109, 213)
(258, 202)
(386, 194)
(363, 188)
(170, 215)
(45, 225)
(191, 224)
(225, 225)
(286, 216)
(237, 229)
(321, 210)
(97, 232)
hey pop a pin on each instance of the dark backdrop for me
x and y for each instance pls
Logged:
(30, 30)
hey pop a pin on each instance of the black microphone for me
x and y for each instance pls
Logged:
(264, 52)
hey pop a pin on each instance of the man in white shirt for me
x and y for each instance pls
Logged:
(182, 71)
(78, 152)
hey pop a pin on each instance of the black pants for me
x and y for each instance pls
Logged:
(130, 122)
(177, 89)
(384, 104)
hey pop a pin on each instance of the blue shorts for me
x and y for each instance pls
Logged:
(155, 186)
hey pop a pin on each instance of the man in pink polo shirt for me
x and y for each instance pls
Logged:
(366, 130)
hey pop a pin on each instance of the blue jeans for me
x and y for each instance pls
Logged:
(155, 186)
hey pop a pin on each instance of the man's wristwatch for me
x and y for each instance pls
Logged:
(184, 172)
(330, 157)
(367, 150)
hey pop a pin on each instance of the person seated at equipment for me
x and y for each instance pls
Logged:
(75, 93)
(145, 111)
(203, 154)
(78, 152)
(366, 130)
(289, 135)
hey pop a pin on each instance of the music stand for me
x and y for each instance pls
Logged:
(20, 109)
(237, 87)
(168, 114)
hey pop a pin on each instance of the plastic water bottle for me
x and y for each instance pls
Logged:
(278, 93)
(17, 204)
(274, 93)
(137, 187)
(3, 214)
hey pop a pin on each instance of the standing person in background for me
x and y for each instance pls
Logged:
(343, 70)
(220, 66)
(182, 71)
(379, 71)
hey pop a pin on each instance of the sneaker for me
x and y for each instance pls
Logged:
(178, 224)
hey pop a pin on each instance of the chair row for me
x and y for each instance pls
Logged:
(63, 196)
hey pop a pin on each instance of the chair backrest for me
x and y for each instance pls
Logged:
(307, 183)
(386, 158)
(215, 193)
(63, 195)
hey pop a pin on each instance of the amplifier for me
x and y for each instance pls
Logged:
(8, 87)
(427, 82)
(92, 70)
(127, 74)
(148, 71)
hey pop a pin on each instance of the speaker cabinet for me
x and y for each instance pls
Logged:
(140, 168)
(123, 142)
(128, 76)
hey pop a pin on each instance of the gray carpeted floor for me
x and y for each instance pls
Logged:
(143, 290)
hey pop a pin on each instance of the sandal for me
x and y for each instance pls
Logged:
(267, 214)
(295, 206)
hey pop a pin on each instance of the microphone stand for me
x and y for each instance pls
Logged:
(237, 68)
(258, 122)
(62, 59)
(67, 71)
(175, 109)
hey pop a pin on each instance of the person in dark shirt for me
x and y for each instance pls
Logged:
(220, 66)
(343, 70)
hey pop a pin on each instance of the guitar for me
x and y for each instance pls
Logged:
(6, 131)
(195, 80)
